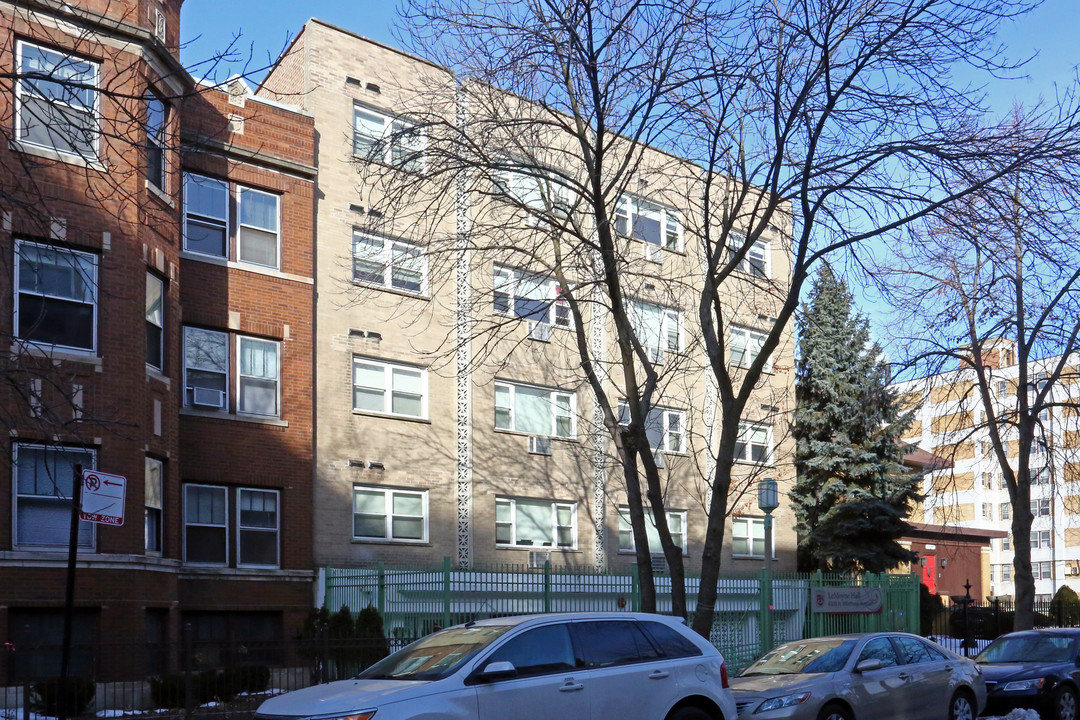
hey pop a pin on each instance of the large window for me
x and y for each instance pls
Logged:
(259, 372)
(389, 389)
(534, 410)
(540, 523)
(258, 232)
(746, 345)
(155, 321)
(206, 215)
(257, 527)
(1040, 539)
(748, 537)
(534, 189)
(665, 427)
(385, 139)
(754, 443)
(207, 530)
(676, 525)
(56, 101)
(388, 263)
(532, 297)
(156, 121)
(57, 299)
(649, 222)
(755, 261)
(208, 207)
(206, 525)
(153, 503)
(389, 514)
(43, 490)
(207, 368)
(658, 329)
(1040, 507)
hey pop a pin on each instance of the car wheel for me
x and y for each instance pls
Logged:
(1064, 707)
(834, 712)
(961, 707)
(689, 713)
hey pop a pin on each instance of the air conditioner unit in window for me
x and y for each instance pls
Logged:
(658, 457)
(207, 397)
(539, 331)
(654, 253)
(1072, 570)
(539, 445)
(656, 355)
(659, 563)
(537, 560)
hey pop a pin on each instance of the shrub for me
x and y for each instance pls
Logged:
(168, 691)
(50, 698)
(1065, 607)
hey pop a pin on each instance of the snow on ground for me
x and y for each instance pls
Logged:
(122, 713)
(1017, 714)
(268, 691)
(17, 714)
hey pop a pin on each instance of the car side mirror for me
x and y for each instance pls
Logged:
(869, 664)
(498, 670)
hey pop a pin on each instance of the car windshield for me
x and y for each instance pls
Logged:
(436, 656)
(1028, 648)
(805, 656)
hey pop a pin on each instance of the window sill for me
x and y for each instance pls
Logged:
(216, 415)
(634, 552)
(152, 373)
(53, 154)
(519, 433)
(159, 194)
(754, 463)
(539, 548)
(378, 541)
(393, 291)
(50, 352)
(388, 416)
(232, 265)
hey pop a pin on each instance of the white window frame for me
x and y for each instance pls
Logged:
(241, 529)
(636, 311)
(240, 340)
(555, 505)
(228, 367)
(1039, 539)
(666, 413)
(160, 284)
(624, 520)
(744, 427)
(224, 223)
(1006, 572)
(748, 334)
(21, 89)
(752, 521)
(91, 282)
(508, 281)
(533, 189)
(553, 395)
(1006, 542)
(388, 500)
(760, 249)
(148, 505)
(240, 225)
(89, 547)
(225, 491)
(627, 208)
(1005, 511)
(1037, 505)
(158, 141)
(386, 133)
(388, 387)
(385, 257)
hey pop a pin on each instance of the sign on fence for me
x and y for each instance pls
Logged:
(847, 600)
(103, 498)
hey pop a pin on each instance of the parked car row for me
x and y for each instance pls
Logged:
(593, 666)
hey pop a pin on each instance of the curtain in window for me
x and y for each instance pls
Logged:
(534, 522)
(532, 411)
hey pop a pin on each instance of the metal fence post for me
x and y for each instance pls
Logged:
(547, 586)
(446, 591)
(380, 591)
(764, 613)
(189, 684)
(817, 620)
(635, 588)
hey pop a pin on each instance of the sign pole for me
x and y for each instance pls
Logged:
(69, 594)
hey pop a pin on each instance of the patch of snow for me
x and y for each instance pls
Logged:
(120, 713)
(212, 703)
(17, 714)
(1017, 714)
(268, 691)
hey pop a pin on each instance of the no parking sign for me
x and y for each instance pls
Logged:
(103, 498)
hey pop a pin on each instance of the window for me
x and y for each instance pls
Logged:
(913, 651)
(1040, 507)
(608, 643)
(670, 642)
(43, 489)
(528, 296)
(206, 215)
(754, 443)
(541, 523)
(1042, 477)
(988, 511)
(755, 262)
(1002, 485)
(992, 573)
(389, 389)
(1040, 539)
(1006, 542)
(746, 346)
(540, 651)
(1006, 573)
(258, 231)
(57, 299)
(649, 222)
(152, 503)
(257, 523)
(533, 410)
(156, 121)
(533, 188)
(388, 263)
(879, 649)
(206, 532)
(384, 514)
(748, 537)
(665, 428)
(206, 368)
(1004, 510)
(259, 371)
(56, 101)
(155, 321)
(1002, 388)
(394, 142)
(658, 329)
(676, 525)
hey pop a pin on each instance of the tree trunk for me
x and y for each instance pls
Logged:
(646, 582)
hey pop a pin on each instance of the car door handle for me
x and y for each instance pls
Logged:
(658, 675)
(949, 668)
(570, 686)
(903, 676)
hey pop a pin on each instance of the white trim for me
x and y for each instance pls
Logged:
(147, 459)
(752, 521)
(744, 427)
(513, 278)
(276, 531)
(184, 360)
(748, 358)
(553, 394)
(15, 446)
(386, 257)
(92, 284)
(256, 269)
(387, 132)
(737, 240)
(554, 527)
(626, 206)
(161, 343)
(240, 189)
(186, 523)
(624, 515)
(388, 387)
(239, 376)
(95, 112)
(623, 409)
(388, 514)
(206, 219)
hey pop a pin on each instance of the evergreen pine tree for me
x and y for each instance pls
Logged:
(853, 492)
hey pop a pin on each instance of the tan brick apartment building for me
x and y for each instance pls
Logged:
(491, 458)
(155, 306)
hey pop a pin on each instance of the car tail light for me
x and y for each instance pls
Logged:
(723, 675)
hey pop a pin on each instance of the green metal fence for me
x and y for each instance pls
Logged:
(415, 601)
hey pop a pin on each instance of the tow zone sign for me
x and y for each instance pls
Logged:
(103, 498)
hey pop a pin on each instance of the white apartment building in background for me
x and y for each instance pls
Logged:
(950, 423)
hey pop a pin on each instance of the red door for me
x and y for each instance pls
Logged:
(929, 573)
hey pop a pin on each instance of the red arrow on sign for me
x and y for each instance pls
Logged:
(110, 482)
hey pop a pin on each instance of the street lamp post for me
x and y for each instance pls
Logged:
(768, 500)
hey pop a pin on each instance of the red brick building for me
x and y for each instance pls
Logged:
(156, 249)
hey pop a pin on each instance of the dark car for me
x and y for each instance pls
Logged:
(1036, 669)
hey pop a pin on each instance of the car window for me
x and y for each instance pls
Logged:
(912, 651)
(613, 642)
(670, 641)
(436, 656)
(1028, 648)
(545, 649)
(818, 655)
(879, 649)
(934, 653)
